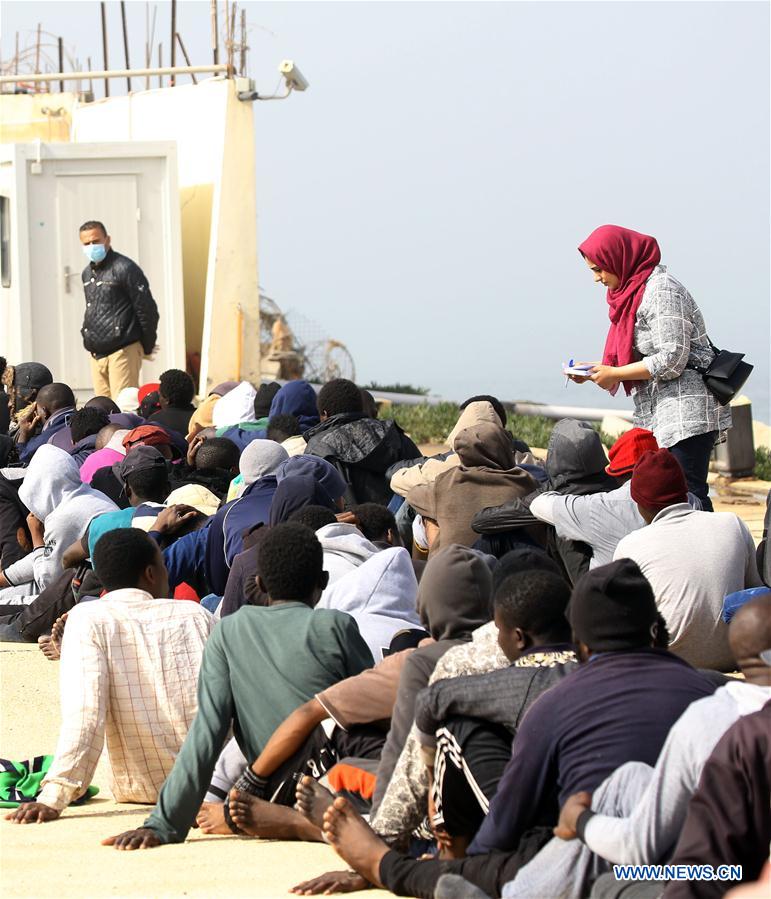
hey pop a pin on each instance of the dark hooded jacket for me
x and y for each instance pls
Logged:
(225, 538)
(292, 494)
(488, 475)
(83, 449)
(297, 398)
(453, 601)
(575, 465)
(362, 449)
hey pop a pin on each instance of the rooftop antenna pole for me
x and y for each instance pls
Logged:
(149, 44)
(125, 42)
(104, 48)
(173, 51)
(232, 41)
(187, 58)
(60, 43)
(243, 42)
(90, 80)
(227, 34)
(215, 41)
(37, 53)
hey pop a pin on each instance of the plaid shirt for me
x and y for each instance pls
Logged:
(669, 333)
(129, 672)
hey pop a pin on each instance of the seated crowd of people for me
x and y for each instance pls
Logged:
(483, 673)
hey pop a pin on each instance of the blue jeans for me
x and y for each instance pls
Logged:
(693, 454)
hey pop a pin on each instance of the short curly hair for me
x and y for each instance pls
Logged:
(282, 427)
(177, 387)
(87, 421)
(290, 562)
(217, 452)
(375, 521)
(121, 555)
(339, 395)
(314, 517)
(536, 602)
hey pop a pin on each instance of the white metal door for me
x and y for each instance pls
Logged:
(106, 197)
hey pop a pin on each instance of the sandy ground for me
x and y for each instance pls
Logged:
(64, 858)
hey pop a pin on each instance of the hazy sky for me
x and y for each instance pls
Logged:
(424, 199)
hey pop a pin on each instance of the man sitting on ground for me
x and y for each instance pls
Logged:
(637, 814)
(378, 524)
(260, 664)
(692, 560)
(631, 693)
(285, 429)
(112, 653)
(465, 724)
(602, 519)
(175, 394)
(729, 816)
(362, 448)
(53, 409)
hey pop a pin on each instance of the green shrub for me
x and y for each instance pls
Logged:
(762, 463)
(396, 388)
(431, 424)
(424, 423)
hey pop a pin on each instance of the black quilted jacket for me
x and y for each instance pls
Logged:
(362, 449)
(119, 306)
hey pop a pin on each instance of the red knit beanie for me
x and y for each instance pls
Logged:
(658, 480)
(627, 450)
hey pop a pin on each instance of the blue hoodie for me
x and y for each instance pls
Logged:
(297, 398)
(225, 537)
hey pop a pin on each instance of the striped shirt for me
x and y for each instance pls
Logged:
(669, 334)
(128, 677)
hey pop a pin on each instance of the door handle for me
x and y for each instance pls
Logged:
(67, 275)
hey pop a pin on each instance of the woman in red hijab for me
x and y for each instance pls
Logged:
(656, 334)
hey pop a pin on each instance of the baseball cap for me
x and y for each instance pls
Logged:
(141, 458)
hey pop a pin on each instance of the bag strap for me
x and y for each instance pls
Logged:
(702, 370)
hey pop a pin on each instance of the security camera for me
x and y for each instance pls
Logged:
(293, 76)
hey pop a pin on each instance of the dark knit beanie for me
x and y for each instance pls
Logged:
(263, 399)
(612, 607)
(658, 480)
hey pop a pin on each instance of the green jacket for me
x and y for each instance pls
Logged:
(259, 665)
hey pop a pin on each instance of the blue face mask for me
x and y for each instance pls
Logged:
(95, 252)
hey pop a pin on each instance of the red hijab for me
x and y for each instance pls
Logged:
(631, 257)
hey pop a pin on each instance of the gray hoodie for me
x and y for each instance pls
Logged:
(381, 594)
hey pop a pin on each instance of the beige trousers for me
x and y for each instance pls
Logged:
(118, 370)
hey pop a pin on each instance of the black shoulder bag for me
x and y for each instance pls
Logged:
(725, 376)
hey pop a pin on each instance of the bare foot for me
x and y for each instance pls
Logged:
(333, 882)
(354, 840)
(51, 644)
(49, 649)
(260, 818)
(312, 800)
(211, 818)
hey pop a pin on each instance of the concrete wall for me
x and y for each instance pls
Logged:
(27, 117)
(214, 133)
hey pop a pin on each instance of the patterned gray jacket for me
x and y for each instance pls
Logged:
(669, 333)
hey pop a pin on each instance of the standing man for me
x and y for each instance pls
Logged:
(120, 325)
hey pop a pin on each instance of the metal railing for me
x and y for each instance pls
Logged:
(219, 69)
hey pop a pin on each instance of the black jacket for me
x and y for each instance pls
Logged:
(120, 309)
(362, 449)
